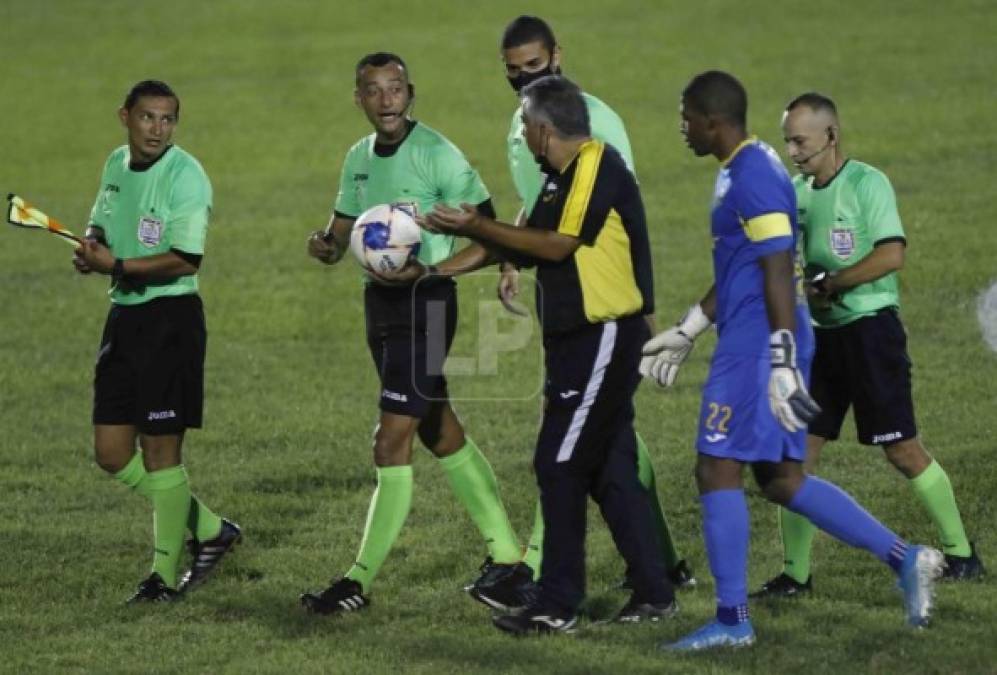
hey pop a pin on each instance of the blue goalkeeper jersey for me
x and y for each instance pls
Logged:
(753, 215)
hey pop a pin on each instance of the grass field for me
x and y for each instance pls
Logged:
(291, 398)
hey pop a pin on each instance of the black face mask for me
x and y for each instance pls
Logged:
(545, 166)
(524, 78)
(541, 159)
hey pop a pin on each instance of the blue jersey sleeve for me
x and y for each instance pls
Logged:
(765, 203)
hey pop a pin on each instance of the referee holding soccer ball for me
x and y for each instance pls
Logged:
(406, 161)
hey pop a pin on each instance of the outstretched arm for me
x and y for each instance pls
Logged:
(467, 222)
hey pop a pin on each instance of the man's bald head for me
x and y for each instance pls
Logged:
(816, 102)
(813, 137)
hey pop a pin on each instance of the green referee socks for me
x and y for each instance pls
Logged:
(203, 524)
(170, 494)
(934, 489)
(534, 549)
(389, 507)
(473, 481)
(797, 534)
(133, 475)
(645, 473)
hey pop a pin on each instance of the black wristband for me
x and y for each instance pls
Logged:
(118, 271)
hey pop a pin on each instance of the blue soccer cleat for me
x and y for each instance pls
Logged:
(921, 567)
(712, 636)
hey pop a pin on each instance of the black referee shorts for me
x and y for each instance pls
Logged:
(409, 334)
(150, 367)
(864, 365)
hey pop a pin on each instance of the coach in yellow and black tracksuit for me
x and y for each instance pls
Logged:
(587, 236)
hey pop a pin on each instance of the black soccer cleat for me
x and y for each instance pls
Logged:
(636, 611)
(153, 589)
(782, 586)
(680, 576)
(536, 620)
(207, 554)
(506, 588)
(490, 572)
(964, 568)
(344, 595)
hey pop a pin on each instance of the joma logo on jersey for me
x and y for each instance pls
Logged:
(111, 187)
(359, 177)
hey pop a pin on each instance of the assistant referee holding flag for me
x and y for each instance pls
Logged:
(588, 238)
(147, 231)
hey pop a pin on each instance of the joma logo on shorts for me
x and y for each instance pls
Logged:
(394, 396)
(162, 414)
(886, 438)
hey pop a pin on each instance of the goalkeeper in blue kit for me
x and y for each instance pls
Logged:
(755, 405)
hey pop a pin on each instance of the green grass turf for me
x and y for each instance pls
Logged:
(291, 398)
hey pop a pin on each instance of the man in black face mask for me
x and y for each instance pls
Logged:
(529, 52)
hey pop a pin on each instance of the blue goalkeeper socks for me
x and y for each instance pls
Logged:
(833, 510)
(726, 530)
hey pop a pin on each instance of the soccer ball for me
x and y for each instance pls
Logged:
(384, 237)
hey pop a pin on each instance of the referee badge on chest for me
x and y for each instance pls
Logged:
(842, 242)
(150, 231)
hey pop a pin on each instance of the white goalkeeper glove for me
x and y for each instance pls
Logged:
(666, 351)
(791, 404)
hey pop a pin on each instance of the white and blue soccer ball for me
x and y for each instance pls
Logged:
(384, 237)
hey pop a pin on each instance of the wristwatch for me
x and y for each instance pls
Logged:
(118, 271)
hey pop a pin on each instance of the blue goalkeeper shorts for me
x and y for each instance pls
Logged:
(735, 420)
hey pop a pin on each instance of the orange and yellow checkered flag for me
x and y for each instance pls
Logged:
(23, 214)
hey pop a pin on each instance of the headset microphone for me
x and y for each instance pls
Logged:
(830, 139)
(819, 152)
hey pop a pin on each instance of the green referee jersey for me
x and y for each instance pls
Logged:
(841, 223)
(424, 169)
(150, 211)
(606, 126)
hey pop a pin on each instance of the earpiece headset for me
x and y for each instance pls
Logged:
(830, 139)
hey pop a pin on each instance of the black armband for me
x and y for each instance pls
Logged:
(191, 258)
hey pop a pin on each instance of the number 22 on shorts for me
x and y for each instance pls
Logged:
(718, 418)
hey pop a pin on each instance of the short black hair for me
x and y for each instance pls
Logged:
(377, 60)
(718, 93)
(814, 101)
(559, 101)
(525, 29)
(150, 88)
